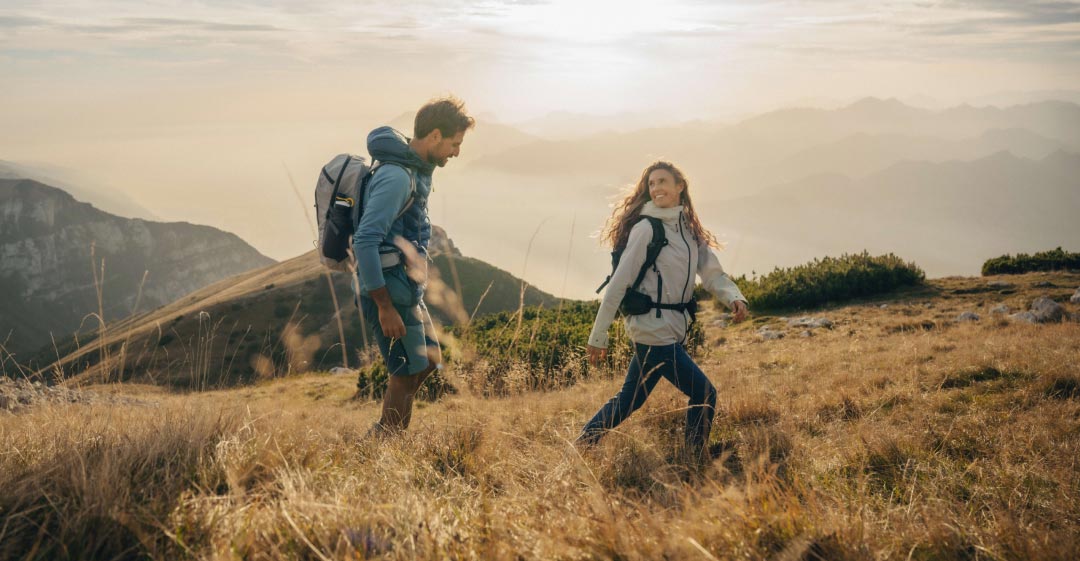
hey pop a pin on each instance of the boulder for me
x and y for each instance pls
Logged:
(1000, 309)
(1075, 297)
(1047, 311)
(967, 316)
(1026, 317)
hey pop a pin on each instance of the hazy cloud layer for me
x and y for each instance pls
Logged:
(838, 23)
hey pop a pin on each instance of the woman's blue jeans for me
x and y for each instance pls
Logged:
(647, 366)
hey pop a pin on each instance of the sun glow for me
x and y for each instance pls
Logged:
(596, 21)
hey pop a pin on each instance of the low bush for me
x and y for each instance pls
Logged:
(1053, 260)
(829, 280)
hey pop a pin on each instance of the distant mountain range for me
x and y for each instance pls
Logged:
(51, 247)
(946, 216)
(101, 197)
(741, 173)
(730, 161)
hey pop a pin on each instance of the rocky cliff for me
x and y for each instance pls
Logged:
(52, 247)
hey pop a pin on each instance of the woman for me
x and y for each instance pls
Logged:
(659, 334)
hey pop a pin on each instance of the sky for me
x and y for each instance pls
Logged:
(209, 112)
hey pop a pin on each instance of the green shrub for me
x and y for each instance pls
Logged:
(373, 377)
(1053, 260)
(829, 280)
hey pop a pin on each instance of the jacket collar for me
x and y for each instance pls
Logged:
(389, 145)
(669, 215)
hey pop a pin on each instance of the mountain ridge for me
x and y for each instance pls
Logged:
(56, 253)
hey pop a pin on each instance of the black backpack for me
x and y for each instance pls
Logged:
(636, 302)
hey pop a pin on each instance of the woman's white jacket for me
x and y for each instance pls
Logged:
(677, 263)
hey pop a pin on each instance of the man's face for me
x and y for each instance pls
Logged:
(445, 147)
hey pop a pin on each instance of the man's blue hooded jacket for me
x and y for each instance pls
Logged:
(387, 192)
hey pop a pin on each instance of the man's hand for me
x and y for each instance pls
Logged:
(389, 318)
(740, 310)
(596, 355)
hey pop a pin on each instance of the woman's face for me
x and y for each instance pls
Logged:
(663, 190)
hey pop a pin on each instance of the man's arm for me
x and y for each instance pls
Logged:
(386, 194)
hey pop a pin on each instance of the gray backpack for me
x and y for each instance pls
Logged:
(339, 195)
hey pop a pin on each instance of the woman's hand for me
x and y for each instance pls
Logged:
(596, 355)
(740, 310)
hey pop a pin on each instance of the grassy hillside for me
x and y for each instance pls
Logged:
(899, 433)
(269, 322)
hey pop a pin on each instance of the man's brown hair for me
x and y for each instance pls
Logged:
(446, 114)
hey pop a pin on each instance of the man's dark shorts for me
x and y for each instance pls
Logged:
(406, 356)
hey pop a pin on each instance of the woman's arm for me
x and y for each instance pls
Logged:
(715, 280)
(630, 263)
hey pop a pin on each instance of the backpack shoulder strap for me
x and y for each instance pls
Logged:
(412, 184)
(659, 240)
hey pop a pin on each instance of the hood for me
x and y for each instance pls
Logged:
(386, 144)
(669, 215)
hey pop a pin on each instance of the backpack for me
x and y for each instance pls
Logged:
(339, 194)
(636, 302)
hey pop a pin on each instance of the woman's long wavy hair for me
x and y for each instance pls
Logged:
(628, 211)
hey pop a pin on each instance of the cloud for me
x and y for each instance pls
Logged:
(1026, 12)
(497, 30)
(17, 22)
(124, 26)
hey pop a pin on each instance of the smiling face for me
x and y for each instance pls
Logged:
(664, 190)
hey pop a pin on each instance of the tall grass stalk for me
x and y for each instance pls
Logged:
(327, 274)
(99, 286)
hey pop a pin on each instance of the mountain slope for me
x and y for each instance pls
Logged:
(278, 318)
(52, 247)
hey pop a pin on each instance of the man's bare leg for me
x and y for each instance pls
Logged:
(434, 361)
(400, 391)
(398, 396)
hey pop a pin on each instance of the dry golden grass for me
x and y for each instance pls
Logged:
(867, 441)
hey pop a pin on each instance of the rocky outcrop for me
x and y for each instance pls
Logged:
(810, 322)
(1043, 310)
(18, 395)
(441, 244)
(51, 247)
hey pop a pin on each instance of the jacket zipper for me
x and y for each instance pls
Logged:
(689, 254)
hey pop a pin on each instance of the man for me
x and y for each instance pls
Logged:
(390, 245)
